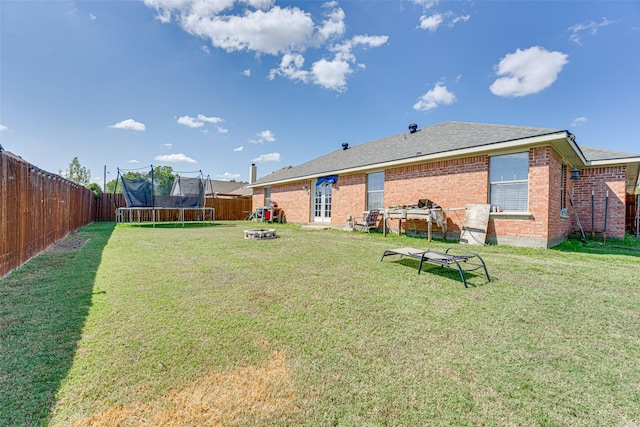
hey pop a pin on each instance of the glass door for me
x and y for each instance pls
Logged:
(322, 203)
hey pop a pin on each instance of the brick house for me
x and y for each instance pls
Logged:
(532, 175)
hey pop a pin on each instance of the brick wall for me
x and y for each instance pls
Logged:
(294, 199)
(559, 226)
(601, 180)
(349, 198)
(449, 183)
(258, 198)
(458, 182)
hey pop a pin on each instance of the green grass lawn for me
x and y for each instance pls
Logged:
(198, 326)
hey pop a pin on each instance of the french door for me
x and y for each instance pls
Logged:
(322, 203)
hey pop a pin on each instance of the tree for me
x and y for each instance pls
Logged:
(77, 173)
(95, 187)
(111, 187)
(163, 178)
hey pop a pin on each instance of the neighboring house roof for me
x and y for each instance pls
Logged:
(223, 187)
(443, 140)
(242, 191)
(599, 154)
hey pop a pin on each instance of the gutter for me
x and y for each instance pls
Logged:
(621, 161)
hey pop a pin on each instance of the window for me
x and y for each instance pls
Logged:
(267, 196)
(509, 182)
(375, 190)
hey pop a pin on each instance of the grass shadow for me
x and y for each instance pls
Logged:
(450, 273)
(43, 308)
(169, 224)
(628, 246)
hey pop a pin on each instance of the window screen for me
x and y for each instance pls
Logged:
(509, 181)
(375, 190)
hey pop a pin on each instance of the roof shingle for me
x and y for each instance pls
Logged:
(440, 138)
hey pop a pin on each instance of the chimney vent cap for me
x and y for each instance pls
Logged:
(413, 128)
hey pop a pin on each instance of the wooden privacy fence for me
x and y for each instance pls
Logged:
(632, 211)
(37, 208)
(225, 209)
(231, 209)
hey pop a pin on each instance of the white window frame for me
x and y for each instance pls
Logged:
(375, 197)
(509, 182)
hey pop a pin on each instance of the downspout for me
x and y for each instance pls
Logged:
(637, 214)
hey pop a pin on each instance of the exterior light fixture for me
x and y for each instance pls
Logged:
(575, 173)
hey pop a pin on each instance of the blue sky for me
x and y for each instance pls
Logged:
(218, 85)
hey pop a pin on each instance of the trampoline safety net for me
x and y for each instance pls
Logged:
(147, 193)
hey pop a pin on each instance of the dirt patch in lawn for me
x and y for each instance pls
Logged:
(245, 396)
(67, 245)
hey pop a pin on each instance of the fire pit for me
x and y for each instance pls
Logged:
(261, 233)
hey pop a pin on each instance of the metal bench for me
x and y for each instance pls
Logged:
(470, 260)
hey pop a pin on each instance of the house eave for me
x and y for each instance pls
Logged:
(632, 169)
(613, 162)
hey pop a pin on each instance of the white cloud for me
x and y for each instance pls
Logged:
(247, 72)
(227, 176)
(206, 50)
(129, 124)
(198, 122)
(463, 18)
(590, 27)
(222, 130)
(210, 119)
(578, 121)
(334, 24)
(267, 135)
(369, 41)
(174, 158)
(240, 148)
(331, 74)
(527, 71)
(3, 128)
(271, 30)
(434, 97)
(168, 145)
(262, 27)
(190, 122)
(133, 161)
(271, 157)
(92, 17)
(426, 3)
(432, 22)
(291, 68)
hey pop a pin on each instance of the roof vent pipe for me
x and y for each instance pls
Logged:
(413, 128)
(345, 145)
